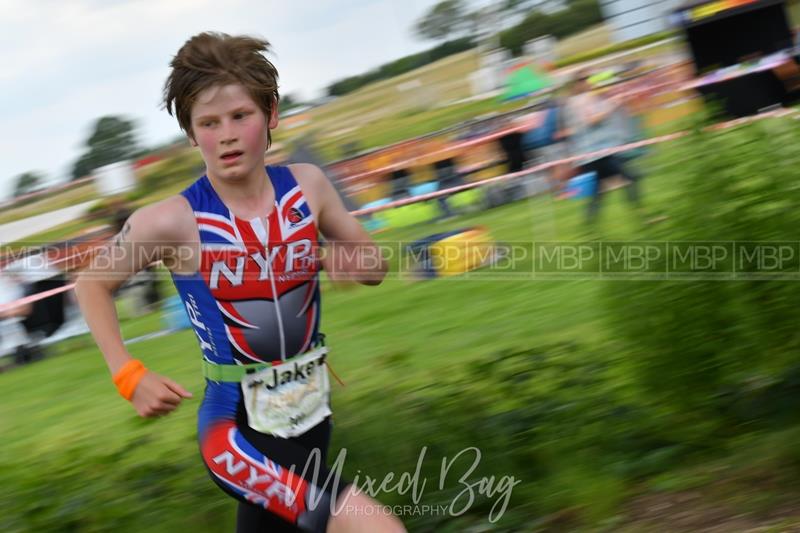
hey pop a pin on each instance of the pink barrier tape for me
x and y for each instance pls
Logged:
(534, 120)
(35, 297)
(571, 159)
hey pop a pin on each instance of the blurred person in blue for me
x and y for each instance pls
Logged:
(596, 123)
(243, 249)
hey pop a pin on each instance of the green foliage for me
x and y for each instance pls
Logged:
(400, 66)
(554, 416)
(718, 351)
(580, 15)
(27, 182)
(442, 20)
(112, 139)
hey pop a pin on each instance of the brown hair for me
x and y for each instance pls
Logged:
(209, 59)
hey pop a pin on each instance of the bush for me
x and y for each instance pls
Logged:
(557, 417)
(719, 354)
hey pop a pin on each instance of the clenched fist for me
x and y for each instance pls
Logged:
(156, 395)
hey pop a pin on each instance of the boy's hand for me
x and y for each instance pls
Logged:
(156, 395)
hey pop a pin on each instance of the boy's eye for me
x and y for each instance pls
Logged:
(207, 123)
(241, 115)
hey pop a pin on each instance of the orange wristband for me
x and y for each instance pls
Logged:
(128, 377)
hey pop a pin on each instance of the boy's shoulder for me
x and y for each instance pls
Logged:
(307, 173)
(316, 186)
(173, 206)
(311, 178)
(170, 219)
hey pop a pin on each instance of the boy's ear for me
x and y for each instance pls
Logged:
(273, 118)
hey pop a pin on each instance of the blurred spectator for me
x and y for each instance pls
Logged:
(400, 180)
(25, 326)
(12, 333)
(447, 175)
(12, 289)
(511, 144)
(591, 126)
(548, 140)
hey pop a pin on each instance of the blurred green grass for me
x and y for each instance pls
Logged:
(523, 369)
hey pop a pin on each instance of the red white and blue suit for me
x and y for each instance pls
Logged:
(256, 299)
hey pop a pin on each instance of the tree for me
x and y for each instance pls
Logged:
(442, 20)
(523, 7)
(582, 14)
(518, 6)
(28, 182)
(113, 139)
(287, 102)
(400, 66)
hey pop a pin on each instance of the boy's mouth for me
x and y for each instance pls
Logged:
(231, 156)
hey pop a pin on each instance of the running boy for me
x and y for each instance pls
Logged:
(241, 245)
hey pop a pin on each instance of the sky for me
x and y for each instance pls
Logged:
(68, 62)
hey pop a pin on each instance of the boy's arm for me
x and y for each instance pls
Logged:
(350, 253)
(149, 235)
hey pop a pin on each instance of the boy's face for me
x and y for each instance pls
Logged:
(231, 131)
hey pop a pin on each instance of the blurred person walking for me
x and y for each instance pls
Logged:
(597, 123)
(242, 247)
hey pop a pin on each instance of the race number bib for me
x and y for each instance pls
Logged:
(287, 400)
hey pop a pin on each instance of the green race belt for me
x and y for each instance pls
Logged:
(235, 373)
(230, 373)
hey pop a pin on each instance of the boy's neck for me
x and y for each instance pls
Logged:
(249, 197)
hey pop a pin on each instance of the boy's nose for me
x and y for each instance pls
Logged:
(228, 134)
